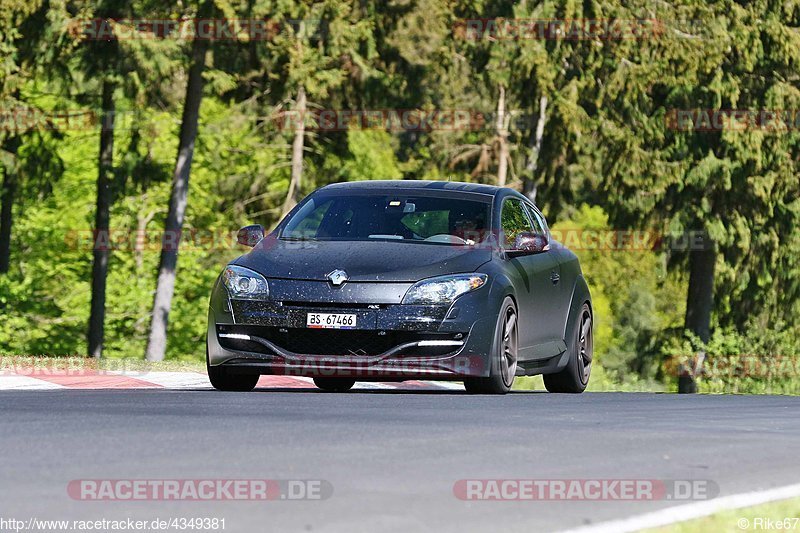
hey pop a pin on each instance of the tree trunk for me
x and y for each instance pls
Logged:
(699, 303)
(529, 181)
(101, 224)
(7, 195)
(502, 138)
(293, 195)
(165, 287)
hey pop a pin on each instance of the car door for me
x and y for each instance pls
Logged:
(561, 277)
(531, 275)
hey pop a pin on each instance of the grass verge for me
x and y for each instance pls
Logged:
(775, 516)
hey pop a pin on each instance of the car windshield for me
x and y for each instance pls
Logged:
(428, 219)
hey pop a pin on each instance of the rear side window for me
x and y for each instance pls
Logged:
(513, 221)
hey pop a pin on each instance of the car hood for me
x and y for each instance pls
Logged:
(363, 261)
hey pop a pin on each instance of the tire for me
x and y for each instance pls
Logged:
(334, 384)
(222, 378)
(503, 355)
(575, 376)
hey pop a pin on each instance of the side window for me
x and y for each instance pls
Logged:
(309, 220)
(513, 221)
(543, 222)
(539, 224)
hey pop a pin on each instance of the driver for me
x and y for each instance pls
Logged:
(468, 227)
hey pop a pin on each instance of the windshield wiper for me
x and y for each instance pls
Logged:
(298, 239)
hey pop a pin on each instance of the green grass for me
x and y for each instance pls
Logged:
(729, 521)
(750, 386)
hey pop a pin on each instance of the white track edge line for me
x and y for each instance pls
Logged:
(690, 511)
(17, 382)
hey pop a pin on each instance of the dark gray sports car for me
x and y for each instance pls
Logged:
(399, 280)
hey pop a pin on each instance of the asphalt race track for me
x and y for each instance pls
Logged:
(392, 457)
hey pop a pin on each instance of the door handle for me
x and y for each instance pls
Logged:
(554, 277)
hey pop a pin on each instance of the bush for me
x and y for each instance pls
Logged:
(757, 361)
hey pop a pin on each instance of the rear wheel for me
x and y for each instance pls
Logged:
(575, 376)
(503, 356)
(334, 384)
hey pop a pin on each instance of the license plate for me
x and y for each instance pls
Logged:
(331, 320)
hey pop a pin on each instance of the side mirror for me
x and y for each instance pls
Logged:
(529, 243)
(250, 235)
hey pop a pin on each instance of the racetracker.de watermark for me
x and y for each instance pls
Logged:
(584, 489)
(199, 489)
(211, 29)
(713, 120)
(195, 239)
(123, 239)
(348, 366)
(43, 367)
(735, 366)
(21, 119)
(399, 120)
(496, 29)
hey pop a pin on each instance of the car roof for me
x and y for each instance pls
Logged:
(416, 185)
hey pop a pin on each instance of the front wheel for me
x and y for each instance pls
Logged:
(222, 378)
(575, 376)
(502, 357)
(334, 384)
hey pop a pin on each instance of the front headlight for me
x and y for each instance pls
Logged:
(444, 289)
(244, 284)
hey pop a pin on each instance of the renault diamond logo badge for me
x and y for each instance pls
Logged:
(337, 277)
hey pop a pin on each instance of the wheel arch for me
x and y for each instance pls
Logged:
(501, 289)
(580, 296)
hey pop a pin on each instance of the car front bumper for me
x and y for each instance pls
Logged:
(393, 341)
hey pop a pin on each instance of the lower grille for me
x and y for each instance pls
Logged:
(308, 341)
(303, 306)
